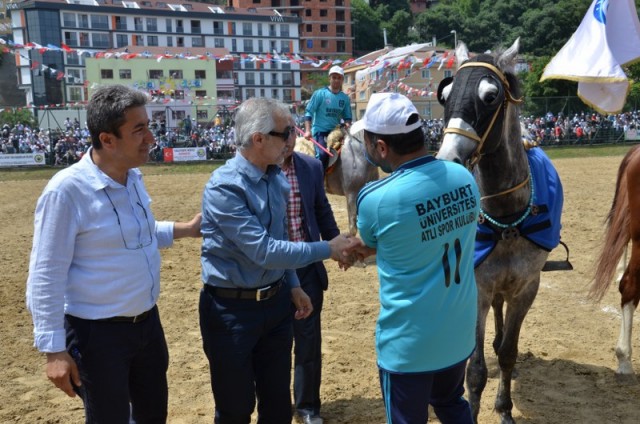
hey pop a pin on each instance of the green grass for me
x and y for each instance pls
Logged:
(45, 173)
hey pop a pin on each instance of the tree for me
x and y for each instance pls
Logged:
(13, 117)
(398, 28)
(366, 28)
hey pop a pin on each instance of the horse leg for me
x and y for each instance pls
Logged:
(477, 367)
(497, 304)
(516, 311)
(352, 211)
(629, 302)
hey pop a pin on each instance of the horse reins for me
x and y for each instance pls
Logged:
(475, 157)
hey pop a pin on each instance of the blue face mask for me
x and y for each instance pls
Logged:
(369, 159)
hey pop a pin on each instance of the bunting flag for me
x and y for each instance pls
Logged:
(608, 38)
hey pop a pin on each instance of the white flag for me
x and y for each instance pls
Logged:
(607, 38)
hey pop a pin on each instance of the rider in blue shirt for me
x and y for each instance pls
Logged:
(421, 223)
(326, 109)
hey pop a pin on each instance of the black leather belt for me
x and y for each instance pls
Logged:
(259, 294)
(133, 319)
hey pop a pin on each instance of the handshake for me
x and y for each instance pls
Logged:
(347, 249)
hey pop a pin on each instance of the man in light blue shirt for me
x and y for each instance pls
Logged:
(326, 109)
(248, 270)
(94, 274)
(421, 223)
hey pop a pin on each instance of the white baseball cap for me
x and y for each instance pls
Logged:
(387, 113)
(336, 70)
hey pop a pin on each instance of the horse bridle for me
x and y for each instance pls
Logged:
(508, 97)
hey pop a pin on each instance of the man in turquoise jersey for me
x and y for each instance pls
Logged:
(327, 107)
(421, 223)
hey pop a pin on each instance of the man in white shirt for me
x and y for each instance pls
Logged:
(94, 274)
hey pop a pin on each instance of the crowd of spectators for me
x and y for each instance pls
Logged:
(65, 146)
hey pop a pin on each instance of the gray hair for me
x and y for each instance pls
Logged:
(257, 115)
(106, 109)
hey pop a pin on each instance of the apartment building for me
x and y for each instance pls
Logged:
(325, 28)
(86, 28)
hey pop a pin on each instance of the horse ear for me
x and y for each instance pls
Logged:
(508, 58)
(462, 53)
(443, 84)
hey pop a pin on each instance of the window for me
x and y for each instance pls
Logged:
(99, 22)
(202, 114)
(217, 28)
(250, 92)
(324, 28)
(287, 95)
(75, 94)
(197, 42)
(106, 73)
(195, 27)
(307, 12)
(259, 28)
(179, 26)
(426, 74)
(125, 73)
(287, 78)
(70, 38)
(272, 30)
(73, 58)
(324, 44)
(341, 46)
(100, 40)
(74, 76)
(201, 93)
(121, 23)
(233, 28)
(323, 13)
(234, 45)
(137, 24)
(448, 73)
(156, 73)
(179, 41)
(152, 24)
(169, 41)
(248, 45)
(176, 73)
(274, 79)
(284, 47)
(274, 93)
(152, 40)
(178, 94)
(200, 74)
(218, 42)
(262, 82)
(69, 19)
(83, 21)
(247, 28)
(309, 28)
(340, 15)
(84, 39)
(249, 65)
(250, 78)
(284, 30)
(169, 25)
(138, 40)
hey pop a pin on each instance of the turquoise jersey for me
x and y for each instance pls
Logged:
(422, 221)
(325, 109)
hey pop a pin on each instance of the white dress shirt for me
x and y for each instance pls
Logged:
(95, 251)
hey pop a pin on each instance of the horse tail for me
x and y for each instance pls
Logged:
(617, 234)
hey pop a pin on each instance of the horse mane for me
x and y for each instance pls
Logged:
(617, 234)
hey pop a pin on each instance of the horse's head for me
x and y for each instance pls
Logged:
(476, 104)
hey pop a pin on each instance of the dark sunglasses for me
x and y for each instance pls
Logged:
(288, 132)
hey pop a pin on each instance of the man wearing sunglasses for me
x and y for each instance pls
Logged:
(94, 274)
(248, 270)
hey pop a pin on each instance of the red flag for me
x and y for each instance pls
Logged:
(60, 76)
(450, 61)
(66, 48)
(34, 64)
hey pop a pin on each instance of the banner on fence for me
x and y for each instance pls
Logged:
(184, 154)
(21, 159)
(632, 135)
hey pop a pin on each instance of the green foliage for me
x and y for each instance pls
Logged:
(366, 27)
(14, 117)
(397, 33)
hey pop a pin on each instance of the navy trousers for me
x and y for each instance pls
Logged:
(407, 396)
(320, 153)
(123, 369)
(308, 348)
(248, 344)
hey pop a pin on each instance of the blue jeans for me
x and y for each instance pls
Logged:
(407, 396)
(123, 369)
(321, 154)
(248, 344)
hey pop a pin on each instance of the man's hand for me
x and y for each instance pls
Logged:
(302, 302)
(62, 370)
(341, 247)
(188, 229)
(359, 250)
(307, 134)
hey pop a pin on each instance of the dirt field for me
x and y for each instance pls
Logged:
(565, 366)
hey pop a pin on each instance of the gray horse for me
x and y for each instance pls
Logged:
(349, 170)
(521, 202)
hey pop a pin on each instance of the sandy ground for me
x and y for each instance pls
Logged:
(565, 366)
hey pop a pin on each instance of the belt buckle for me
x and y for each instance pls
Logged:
(259, 293)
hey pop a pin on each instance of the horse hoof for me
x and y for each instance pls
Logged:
(626, 379)
(506, 418)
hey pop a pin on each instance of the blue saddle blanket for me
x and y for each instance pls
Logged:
(543, 228)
